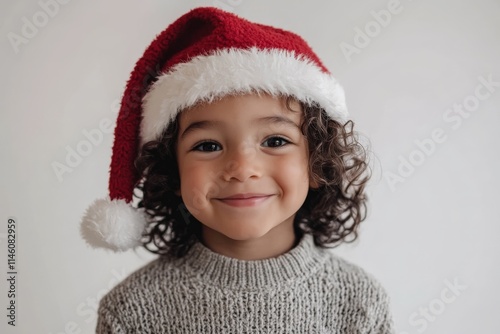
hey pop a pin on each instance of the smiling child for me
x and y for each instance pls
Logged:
(236, 141)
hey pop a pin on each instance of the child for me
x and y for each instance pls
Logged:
(237, 139)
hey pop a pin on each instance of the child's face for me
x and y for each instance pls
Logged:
(243, 146)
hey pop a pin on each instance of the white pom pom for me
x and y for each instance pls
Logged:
(113, 224)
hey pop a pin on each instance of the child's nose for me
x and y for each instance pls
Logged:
(241, 164)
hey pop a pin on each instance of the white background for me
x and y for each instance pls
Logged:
(437, 224)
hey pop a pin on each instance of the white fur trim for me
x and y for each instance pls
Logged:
(230, 71)
(113, 224)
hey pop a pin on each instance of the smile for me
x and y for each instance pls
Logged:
(244, 201)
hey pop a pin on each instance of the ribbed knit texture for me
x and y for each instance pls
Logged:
(306, 290)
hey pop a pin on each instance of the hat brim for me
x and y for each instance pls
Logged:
(237, 71)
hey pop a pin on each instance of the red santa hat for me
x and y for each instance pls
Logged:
(205, 54)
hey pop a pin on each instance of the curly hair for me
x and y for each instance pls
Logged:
(331, 212)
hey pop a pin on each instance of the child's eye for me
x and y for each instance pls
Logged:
(207, 146)
(275, 141)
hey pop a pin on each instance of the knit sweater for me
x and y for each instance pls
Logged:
(306, 290)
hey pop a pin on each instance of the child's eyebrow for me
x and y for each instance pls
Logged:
(199, 125)
(279, 120)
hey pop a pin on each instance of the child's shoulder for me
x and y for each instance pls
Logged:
(353, 279)
(346, 267)
(355, 292)
(157, 275)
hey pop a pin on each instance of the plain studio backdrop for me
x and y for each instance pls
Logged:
(422, 81)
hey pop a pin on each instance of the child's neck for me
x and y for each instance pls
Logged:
(277, 241)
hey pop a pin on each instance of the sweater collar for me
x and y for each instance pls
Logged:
(298, 263)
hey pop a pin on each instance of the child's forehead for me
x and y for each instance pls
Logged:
(252, 104)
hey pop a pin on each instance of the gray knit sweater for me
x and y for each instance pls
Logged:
(306, 290)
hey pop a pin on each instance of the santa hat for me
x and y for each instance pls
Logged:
(204, 55)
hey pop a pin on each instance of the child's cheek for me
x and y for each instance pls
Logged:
(198, 181)
(293, 167)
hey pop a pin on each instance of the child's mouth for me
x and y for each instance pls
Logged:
(244, 200)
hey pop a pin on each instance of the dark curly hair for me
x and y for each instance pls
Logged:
(332, 212)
